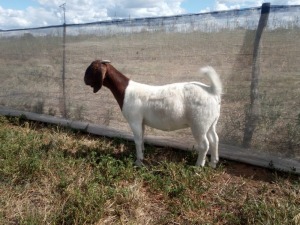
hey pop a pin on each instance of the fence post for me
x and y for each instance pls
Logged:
(253, 112)
(64, 73)
(63, 103)
(64, 113)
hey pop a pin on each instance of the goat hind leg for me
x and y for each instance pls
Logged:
(203, 146)
(213, 145)
(143, 132)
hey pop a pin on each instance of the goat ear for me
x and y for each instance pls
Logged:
(105, 61)
(103, 69)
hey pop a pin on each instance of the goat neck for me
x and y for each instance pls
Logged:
(117, 83)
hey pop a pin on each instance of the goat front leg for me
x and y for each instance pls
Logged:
(137, 130)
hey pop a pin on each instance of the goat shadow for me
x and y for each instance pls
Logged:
(124, 150)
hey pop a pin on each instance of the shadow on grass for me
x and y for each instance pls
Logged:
(124, 150)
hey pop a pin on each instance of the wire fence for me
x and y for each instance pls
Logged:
(38, 76)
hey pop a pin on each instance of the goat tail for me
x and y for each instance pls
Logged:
(216, 84)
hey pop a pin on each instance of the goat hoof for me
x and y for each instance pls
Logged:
(213, 165)
(139, 163)
(199, 165)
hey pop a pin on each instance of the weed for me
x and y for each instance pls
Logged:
(107, 116)
(257, 210)
(38, 107)
(52, 111)
(78, 113)
(81, 206)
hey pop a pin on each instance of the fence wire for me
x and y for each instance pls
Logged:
(160, 51)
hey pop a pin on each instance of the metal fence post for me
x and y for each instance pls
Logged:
(64, 111)
(64, 73)
(253, 112)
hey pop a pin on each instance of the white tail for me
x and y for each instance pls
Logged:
(216, 85)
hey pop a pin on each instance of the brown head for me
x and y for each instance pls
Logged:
(95, 74)
(100, 72)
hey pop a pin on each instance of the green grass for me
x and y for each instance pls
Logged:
(55, 175)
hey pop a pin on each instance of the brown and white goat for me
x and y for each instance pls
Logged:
(168, 107)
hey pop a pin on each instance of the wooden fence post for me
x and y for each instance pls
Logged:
(253, 112)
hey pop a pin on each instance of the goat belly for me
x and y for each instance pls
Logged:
(165, 114)
(165, 124)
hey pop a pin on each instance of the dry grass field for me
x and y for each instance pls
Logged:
(31, 68)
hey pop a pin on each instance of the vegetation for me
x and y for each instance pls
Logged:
(54, 175)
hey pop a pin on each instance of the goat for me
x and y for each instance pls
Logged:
(168, 107)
